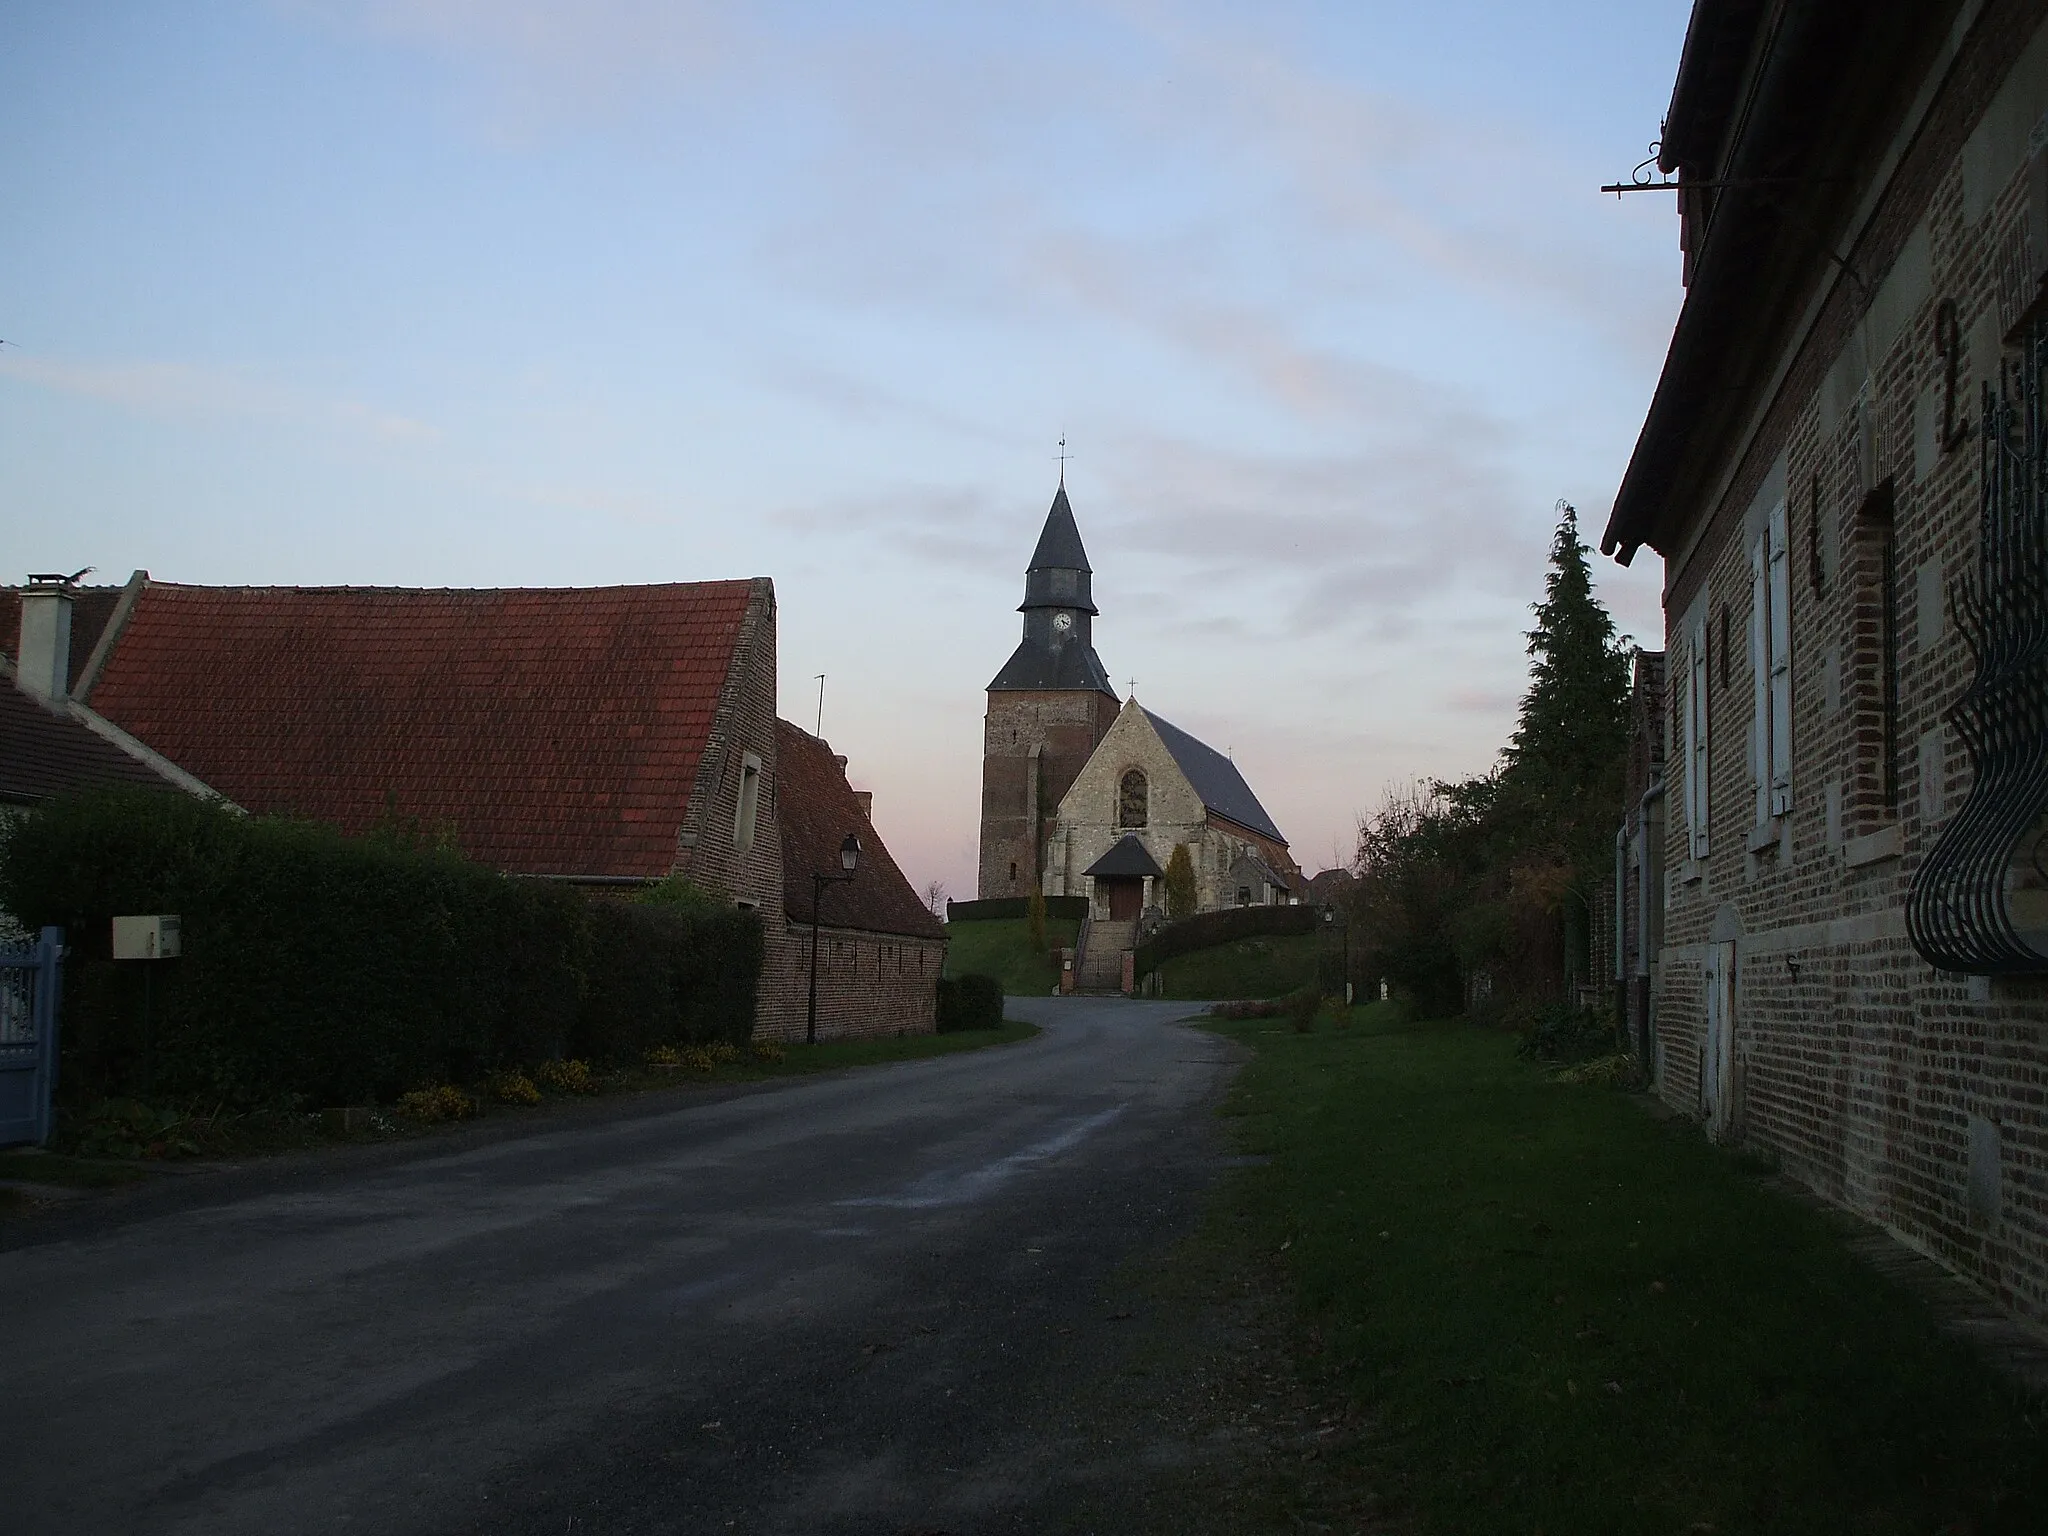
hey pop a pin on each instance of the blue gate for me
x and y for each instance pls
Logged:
(31, 980)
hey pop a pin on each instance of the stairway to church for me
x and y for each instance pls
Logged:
(1102, 963)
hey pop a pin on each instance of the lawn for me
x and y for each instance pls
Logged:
(1262, 967)
(1001, 947)
(1560, 1314)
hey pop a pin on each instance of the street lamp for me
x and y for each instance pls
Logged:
(849, 857)
(1330, 915)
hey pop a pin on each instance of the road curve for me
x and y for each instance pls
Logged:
(856, 1303)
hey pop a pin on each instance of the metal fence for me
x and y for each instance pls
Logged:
(31, 983)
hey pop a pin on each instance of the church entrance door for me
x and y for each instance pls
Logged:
(1126, 899)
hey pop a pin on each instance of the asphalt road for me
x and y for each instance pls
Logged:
(882, 1301)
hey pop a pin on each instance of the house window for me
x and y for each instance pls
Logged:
(1770, 664)
(750, 802)
(1696, 739)
(1244, 895)
(1131, 798)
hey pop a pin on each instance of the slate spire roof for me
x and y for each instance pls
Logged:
(1059, 545)
(1215, 778)
(1057, 653)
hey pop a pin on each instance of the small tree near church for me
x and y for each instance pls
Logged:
(1034, 912)
(1180, 883)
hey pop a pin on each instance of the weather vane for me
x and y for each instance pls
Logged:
(1064, 456)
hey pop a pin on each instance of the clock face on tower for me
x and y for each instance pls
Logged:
(1062, 622)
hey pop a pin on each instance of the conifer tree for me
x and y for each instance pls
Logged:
(1560, 778)
(1573, 722)
(1181, 895)
(1034, 911)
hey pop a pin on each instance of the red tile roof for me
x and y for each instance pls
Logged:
(816, 808)
(556, 730)
(43, 754)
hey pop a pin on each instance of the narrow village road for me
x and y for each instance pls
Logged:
(874, 1302)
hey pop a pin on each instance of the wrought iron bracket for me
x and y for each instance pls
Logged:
(1978, 902)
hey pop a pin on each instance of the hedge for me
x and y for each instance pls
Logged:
(969, 1002)
(343, 969)
(1205, 930)
(1067, 908)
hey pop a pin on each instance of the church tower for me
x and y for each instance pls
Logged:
(1047, 709)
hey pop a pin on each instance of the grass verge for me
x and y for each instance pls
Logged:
(1001, 947)
(1563, 1315)
(831, 1055)
(268, 1132)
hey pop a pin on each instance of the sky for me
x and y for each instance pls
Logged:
(1323, 298)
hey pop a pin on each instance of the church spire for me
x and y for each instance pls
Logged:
(1059, 574)
(1058, 651)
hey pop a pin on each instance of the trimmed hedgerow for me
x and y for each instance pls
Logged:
(1206, 930)
(1069, 909)
(342, 969)
(969, 1002)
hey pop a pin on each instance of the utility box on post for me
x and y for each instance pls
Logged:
(146, 938)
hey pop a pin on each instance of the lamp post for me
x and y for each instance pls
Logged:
(1331, 913)
(849, 857)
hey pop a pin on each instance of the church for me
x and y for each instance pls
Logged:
(1083, 794)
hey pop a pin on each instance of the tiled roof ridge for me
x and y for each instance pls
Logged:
(157, 585)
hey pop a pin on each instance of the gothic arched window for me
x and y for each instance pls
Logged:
(1131, 800)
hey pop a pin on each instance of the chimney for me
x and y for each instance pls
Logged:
(866, 798)
(43, 666)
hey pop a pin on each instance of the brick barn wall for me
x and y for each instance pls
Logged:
(869, 984)
(1854, 1062)
(706, 847)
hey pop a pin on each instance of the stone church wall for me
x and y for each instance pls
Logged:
(1175, 814)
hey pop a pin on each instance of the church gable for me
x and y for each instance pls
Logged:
(1137, 785)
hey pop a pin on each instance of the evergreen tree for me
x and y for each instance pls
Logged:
(1034, 911)
(1573, 723)
(1560, 779)
(1181, 895)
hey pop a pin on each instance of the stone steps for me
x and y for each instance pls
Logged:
(1102, 964)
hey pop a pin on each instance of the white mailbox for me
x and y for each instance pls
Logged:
(146, 938)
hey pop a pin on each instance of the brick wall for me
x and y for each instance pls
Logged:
(869, 984)
(1867, 1073)
(707, 846)
(1033, 747)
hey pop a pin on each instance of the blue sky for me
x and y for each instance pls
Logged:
(494, 292)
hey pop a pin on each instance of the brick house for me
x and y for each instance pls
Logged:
(1842, 470)
(880, 950)
(50, 744)
(604, 737)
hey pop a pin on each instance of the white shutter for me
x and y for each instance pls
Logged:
(1696, 740)
(1760, 673)
(1779, 636)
